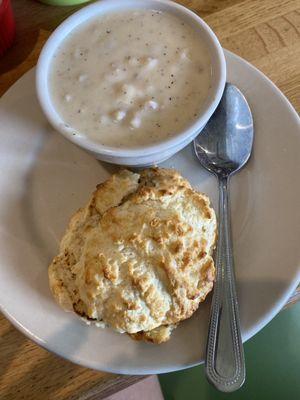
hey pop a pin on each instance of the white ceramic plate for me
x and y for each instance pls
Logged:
(44, 178)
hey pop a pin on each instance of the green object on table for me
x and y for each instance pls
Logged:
(272, 363)
(63, 2)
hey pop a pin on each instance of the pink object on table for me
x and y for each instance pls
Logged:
(7, 26)
(147, 389)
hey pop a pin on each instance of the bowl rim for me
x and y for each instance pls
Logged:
(90, 11)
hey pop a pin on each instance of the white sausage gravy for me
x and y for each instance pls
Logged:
(131, 78)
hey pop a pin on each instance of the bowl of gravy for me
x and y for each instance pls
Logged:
(131, 81)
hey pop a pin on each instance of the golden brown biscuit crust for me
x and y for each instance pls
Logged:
(138, 256)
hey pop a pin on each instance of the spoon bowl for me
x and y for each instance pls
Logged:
(224, 146)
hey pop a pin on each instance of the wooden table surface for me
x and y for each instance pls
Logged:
(264, 32)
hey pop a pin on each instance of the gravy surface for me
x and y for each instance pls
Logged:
(131, 78)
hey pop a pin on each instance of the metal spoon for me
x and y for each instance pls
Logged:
(223, 148)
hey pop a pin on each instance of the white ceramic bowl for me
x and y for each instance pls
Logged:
(145, 155)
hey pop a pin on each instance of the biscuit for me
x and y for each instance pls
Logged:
(138, 257)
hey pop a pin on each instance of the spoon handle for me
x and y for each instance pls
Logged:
(225, 365)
